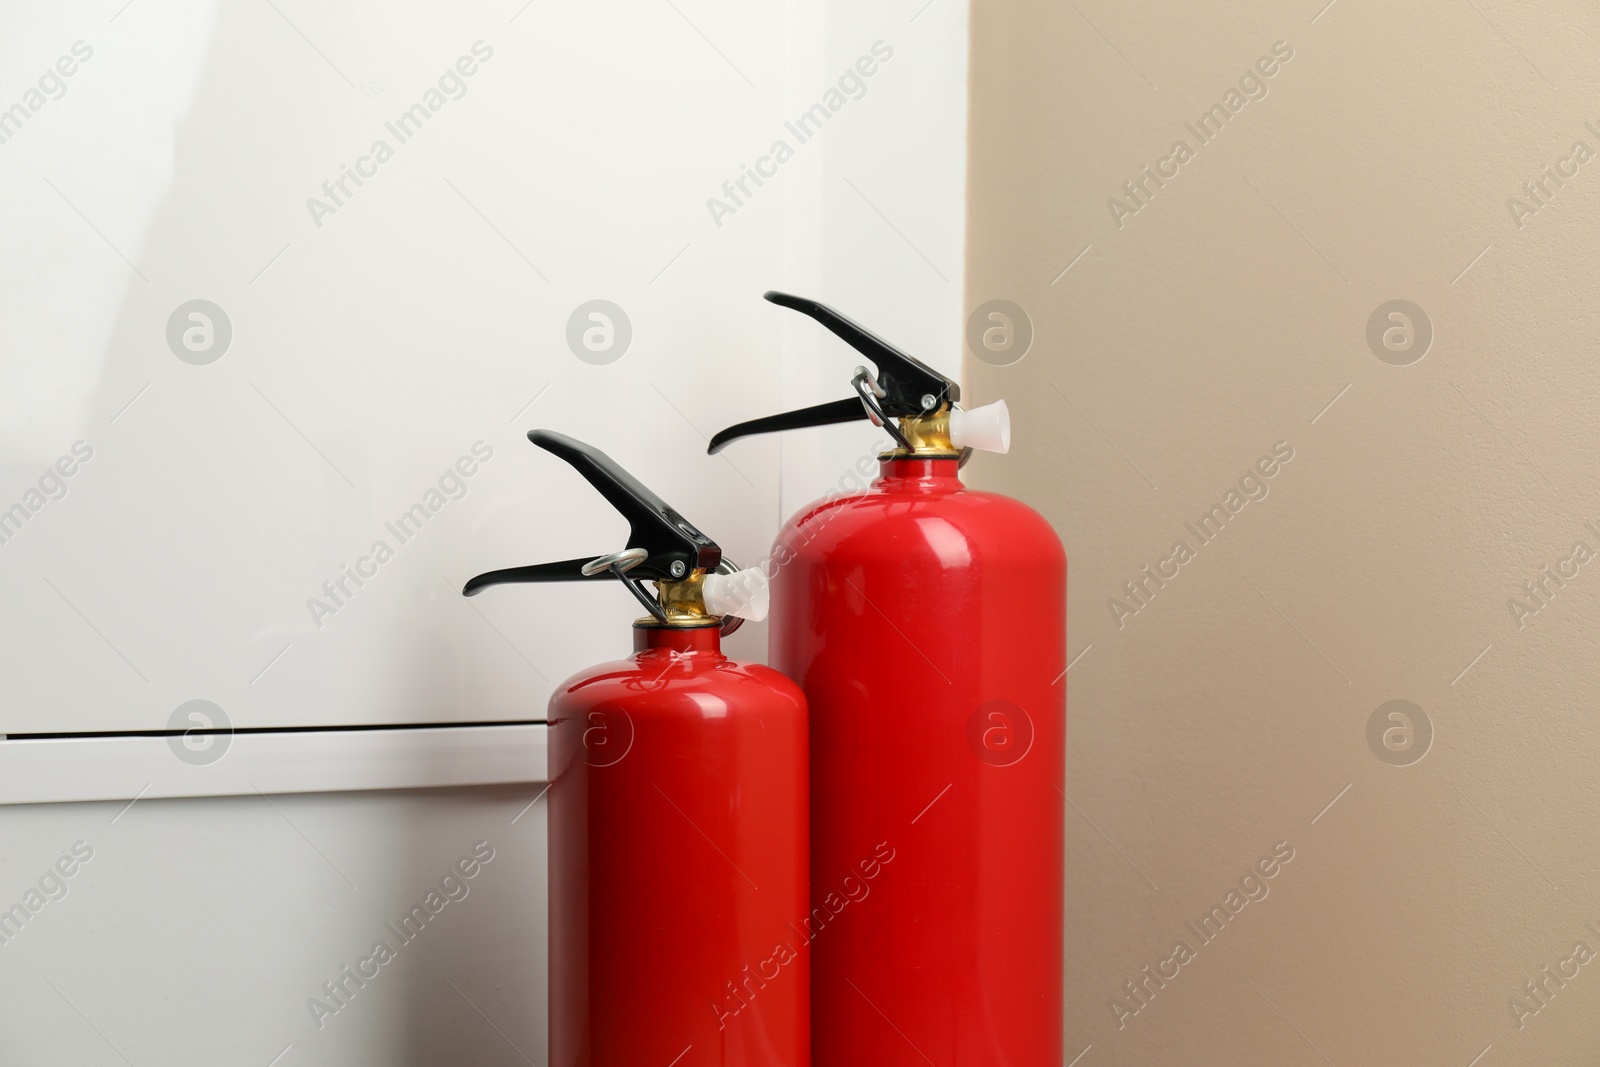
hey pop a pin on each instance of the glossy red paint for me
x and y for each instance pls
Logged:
(927, 625)
(678, 861)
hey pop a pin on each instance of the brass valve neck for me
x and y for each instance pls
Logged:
(929, 436)
(684, 602)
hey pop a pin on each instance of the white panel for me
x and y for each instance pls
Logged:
(200, 550)
(43, 770)
(199, 931)
(372, 348)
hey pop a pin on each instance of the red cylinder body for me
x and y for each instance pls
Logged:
(678, 861)
(927, 625)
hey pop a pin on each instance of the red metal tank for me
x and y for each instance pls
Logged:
(927, 625)
(677, 860)
(677, 816)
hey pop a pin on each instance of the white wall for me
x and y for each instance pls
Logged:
(368, 353)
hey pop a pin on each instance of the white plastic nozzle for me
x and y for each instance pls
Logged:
(742, 593)
(987, 428)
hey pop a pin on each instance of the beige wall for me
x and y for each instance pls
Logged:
(1221, 318)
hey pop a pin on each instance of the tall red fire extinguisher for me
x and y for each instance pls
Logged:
(927, 625)
(677, 816)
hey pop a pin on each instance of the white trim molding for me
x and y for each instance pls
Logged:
(62, 769)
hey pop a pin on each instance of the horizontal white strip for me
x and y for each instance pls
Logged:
(122, 768)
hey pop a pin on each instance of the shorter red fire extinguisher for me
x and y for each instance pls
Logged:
(678, 814)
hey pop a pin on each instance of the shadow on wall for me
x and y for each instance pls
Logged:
(437, 952)
(202, 931)
(478, 990)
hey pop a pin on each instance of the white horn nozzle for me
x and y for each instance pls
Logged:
(742, 593)
(987, 428)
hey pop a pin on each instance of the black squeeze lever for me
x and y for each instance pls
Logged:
(673, 547)
(910, 387)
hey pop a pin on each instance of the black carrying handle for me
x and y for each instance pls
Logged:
(820, 415)
(673, 546)
(568, 570)
(910, 387)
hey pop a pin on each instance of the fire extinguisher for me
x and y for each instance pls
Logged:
(926, 623)
(677, 818)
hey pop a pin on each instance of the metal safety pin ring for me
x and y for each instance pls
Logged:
(618, 564)
(869, 391)
(625, 560)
